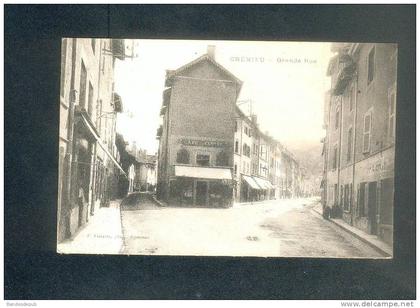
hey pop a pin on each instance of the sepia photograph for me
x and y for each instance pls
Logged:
(226, 148)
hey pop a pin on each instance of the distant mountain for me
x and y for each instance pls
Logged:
(309, 156)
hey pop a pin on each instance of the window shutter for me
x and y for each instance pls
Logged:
(367, 131)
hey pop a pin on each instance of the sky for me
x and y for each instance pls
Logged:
(285, 82)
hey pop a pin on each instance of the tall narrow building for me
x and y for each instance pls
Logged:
(359, 146)
(196, 145)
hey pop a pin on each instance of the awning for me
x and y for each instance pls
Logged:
(99, 141)
(271, 186)
(264, 184)
(251, 182)
(203, 172)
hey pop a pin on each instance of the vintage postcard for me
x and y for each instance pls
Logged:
(227, 148)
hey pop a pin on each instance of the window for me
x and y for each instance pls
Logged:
(222, 159)
(203, 159)
(63, 66)
(246, 150)
(263, 152)
(236, 126)
(246, 130)
(183, 157)
(392, 99)
(236, 146)
(90, 99)
(349, 143)
(236, 169)
(335, 158)
(337, 117)
(82, 88)
(371, 66)
(367, 126)
(249, 133)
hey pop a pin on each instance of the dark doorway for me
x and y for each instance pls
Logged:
(201, 193)
(83, 179)
(372, 208)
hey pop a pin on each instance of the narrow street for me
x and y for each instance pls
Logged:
(278, 228)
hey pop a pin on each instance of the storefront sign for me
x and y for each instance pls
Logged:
(203, 143)
(376, 166)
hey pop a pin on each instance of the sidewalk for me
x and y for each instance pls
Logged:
(369, 239)
(101, 235)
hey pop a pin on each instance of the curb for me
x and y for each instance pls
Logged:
(364, 240)
(159, 203)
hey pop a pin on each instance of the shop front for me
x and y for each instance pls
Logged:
(265, 188)
(201, 187)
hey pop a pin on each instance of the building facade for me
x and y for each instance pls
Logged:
(88, 158)
(195, 156)
(359, 147)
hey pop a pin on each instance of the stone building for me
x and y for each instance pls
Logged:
(88, 158)
(196, 137)
(358, 183)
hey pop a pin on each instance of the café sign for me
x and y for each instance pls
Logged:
(203, 143)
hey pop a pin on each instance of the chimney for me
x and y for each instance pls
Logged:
(211, 49)
(254, 119)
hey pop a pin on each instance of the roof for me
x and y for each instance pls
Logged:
(205, 57)
(203, 172)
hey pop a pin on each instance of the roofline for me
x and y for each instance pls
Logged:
(172, 73)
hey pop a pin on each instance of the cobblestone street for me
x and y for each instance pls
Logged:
(278, 228)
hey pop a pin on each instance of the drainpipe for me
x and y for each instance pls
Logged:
(69, 151)
(339, 151)
(356, 90)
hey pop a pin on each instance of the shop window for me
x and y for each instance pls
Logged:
(222, 159)
(219, 194)
(367, 127)
(183, 157)
(203, 160)
(181, 191)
